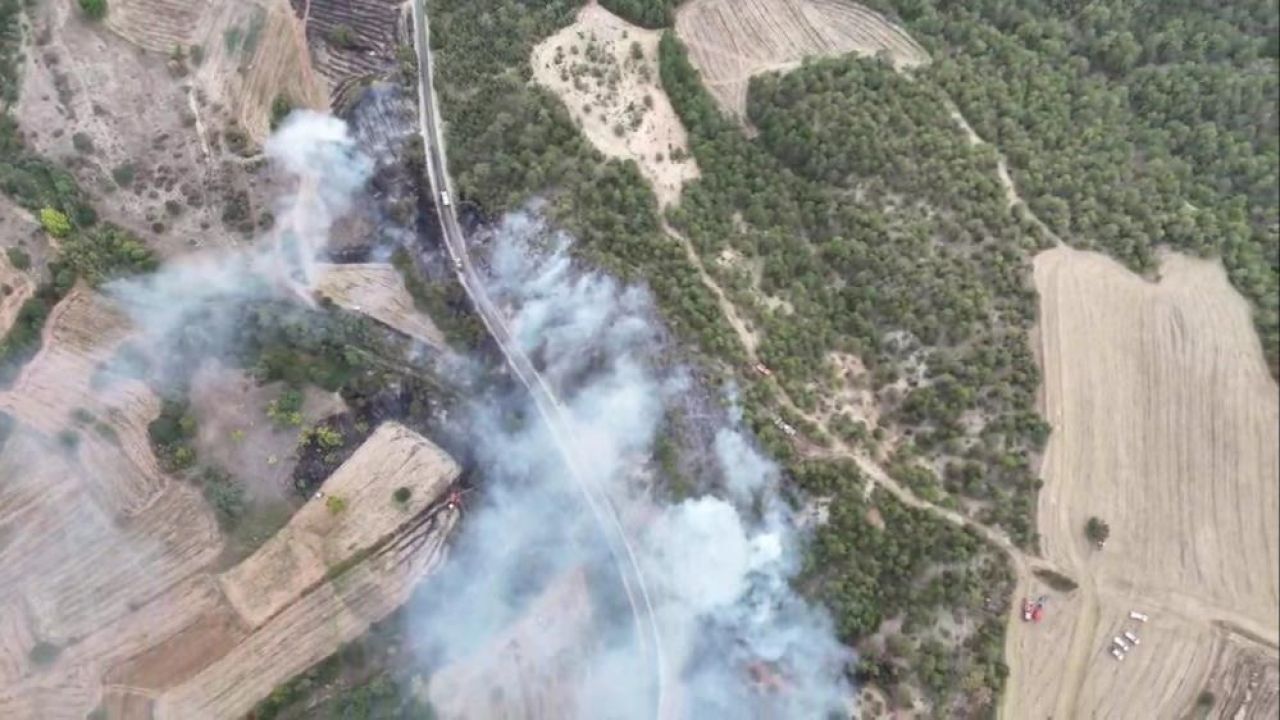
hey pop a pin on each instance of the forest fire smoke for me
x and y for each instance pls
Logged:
(719, 568)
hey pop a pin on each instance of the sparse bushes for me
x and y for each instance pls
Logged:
(94, 9)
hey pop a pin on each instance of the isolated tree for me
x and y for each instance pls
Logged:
(1097, 530)
(402, 494)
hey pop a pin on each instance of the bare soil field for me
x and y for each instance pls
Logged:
(377, 290)
(1166, 424)
(108, 596)
(729, 41)
(235, 432)
(606, 72)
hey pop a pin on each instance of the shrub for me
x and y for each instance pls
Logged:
(335, 504)
(402, 495)
(82, 143)
(69, 439)
(1055, 580)
(94, 9)
(1097, 530)
(43, 653)
(123, 174)
(54, 222)
(18, 258)
(280, 109)
(342, 36)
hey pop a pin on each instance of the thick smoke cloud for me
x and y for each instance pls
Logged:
(736, 639)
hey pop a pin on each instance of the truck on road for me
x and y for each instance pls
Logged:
(444, 198)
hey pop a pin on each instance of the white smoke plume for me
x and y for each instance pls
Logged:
(318, 156)
(737, 641)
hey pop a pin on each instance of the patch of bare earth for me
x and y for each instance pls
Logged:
(377, 290)
(1166, 424)
(730, 41)
(109, 595)
(606, 72)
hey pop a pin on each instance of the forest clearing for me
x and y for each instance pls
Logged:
(1164, 425)
(605, 70)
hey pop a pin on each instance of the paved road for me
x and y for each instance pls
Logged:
(548, 404)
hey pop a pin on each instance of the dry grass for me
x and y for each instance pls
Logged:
(377, 290)
(730, 41)
(628, 117)
(1166, 425)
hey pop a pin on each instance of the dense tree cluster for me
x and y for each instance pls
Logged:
(889, 236)
(645, 13)
(876, 559)
(1129, 125)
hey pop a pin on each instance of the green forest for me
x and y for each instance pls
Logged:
(887, 235)
(1128, 125)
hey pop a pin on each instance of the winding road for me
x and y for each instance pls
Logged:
(549, 406)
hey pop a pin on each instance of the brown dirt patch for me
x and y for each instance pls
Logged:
(729, 41)
(616, 98)
(377, 290)
(1166, 423)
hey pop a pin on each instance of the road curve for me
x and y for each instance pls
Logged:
(548, 404)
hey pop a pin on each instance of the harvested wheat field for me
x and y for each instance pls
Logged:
(1166, 424)
(606, 72)
(108, 591)
(377, 290)
(730, 41)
